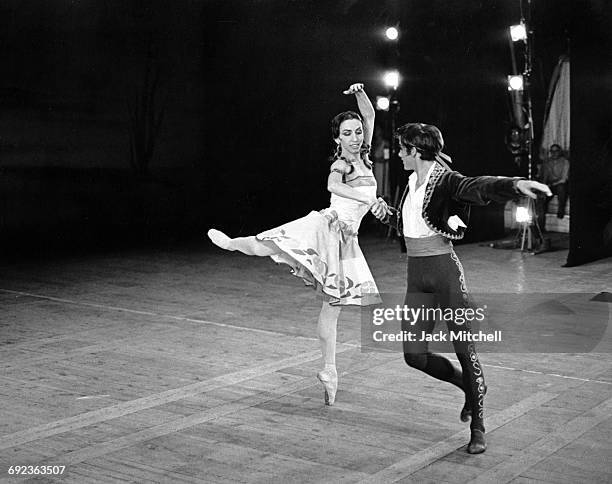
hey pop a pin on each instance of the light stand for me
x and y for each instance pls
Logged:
(529, 234)
(394, 107)
(529, 237)
(392, 81)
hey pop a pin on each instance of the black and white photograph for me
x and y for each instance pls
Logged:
(306, 241)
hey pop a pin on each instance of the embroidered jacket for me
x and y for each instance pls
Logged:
(449, 193)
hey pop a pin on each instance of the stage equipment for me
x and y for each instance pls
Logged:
(516, 83)
(392, 79)
(529, 234)
(391, 33)
(383, 103)
(522, 215)
(518, 32)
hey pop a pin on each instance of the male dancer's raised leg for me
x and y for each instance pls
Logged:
(429, 274)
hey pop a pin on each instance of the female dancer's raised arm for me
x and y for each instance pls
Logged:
(368, 113)
(353, 137)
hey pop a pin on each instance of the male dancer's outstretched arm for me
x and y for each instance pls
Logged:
(480, 190)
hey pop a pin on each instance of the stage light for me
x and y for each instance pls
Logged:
(382, 103)
(522, 215)
(392, 79)
(392, 33)
(515, 83)
(518, 32)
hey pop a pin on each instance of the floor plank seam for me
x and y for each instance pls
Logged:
(157, 315)
(535, 372)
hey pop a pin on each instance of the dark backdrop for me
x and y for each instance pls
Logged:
(591, 136)
(245, 90)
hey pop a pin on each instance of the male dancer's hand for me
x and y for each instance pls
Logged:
(530, 187)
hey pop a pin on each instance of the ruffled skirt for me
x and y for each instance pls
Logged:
(324, 252)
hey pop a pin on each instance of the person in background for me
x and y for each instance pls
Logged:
(555, 174)
(380, 156)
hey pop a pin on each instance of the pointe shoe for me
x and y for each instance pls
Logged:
(219, 239)
(477, 443)
(466, 411)
(329, 378)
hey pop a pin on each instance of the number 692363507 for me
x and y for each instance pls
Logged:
(36, 470)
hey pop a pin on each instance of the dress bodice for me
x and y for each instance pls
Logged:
(351, 211)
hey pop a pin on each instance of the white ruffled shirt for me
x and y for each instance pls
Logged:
(414, 225)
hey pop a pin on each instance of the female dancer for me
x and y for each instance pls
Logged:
(321, 248)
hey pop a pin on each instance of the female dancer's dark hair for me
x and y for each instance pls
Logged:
(337, 120)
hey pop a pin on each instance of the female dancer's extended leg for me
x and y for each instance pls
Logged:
(247, 245)
(327, 331)
(328, 318)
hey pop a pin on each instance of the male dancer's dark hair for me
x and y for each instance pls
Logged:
(426, 138)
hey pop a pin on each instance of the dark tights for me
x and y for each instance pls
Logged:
(439, 280)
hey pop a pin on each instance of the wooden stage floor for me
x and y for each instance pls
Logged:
(192, 365)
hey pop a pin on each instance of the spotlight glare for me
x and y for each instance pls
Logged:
(392, 33)
(382, 103)
(522, 215)
(392, 79)
(515, 83)
(518, 32)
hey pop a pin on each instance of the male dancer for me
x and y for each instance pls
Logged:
(433, 211)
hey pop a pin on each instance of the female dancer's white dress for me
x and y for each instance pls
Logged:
(323, 250)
